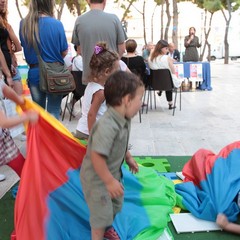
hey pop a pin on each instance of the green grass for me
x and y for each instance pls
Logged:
(6, 216)
(177, 163)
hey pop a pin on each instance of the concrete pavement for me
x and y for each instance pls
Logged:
(209, 119)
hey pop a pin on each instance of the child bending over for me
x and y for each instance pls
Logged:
(102, 64)
(101, 174)
(223, 222)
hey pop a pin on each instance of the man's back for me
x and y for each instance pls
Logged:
(95, 26)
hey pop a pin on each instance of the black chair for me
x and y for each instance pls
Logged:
(161, 80)
(76, 94)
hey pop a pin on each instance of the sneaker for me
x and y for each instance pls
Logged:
(111, 234)
(2, 177)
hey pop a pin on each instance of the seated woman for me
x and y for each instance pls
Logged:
(159, 59)
(134, 62)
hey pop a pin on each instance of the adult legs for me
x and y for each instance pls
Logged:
(169, 99)
(53, 100)
(54, 104)
(37, 95)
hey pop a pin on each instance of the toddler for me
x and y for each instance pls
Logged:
(101, 174)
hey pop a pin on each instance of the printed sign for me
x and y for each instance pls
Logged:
(179, 70)
(196, 71)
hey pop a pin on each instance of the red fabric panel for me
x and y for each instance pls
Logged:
(48, 151)
(201, 163)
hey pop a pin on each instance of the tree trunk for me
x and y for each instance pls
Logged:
(175, 24)
(206, 34)
(152, 22)
(144, 24)
(162, 14)
(78, 7)
(127, 10)
(60, 9)
(18, 9)
(226, 45)
(168, 20)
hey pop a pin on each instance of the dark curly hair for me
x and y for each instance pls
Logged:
(102, 60)
(118, 85)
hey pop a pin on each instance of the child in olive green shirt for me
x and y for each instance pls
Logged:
(107, 148)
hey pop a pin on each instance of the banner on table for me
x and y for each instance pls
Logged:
(196, 71)
(179, 70)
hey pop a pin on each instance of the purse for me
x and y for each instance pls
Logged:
(55, 77)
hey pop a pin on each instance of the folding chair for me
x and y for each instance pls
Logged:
(76, 94)
(161, 80)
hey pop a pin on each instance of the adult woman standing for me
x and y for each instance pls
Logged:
(191, 43)
(159, 59)
(41, 28)
(8, 41)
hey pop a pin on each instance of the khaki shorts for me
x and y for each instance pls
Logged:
(80, 135)
(102, 208)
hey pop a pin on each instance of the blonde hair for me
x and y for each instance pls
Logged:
(3, 17)
(30, 29)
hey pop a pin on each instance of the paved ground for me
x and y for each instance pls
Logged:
(209, 119)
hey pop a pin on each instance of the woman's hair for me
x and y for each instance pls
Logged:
(3, 17)
(102, 59)
(118, 85)
(30, 29)
(191, 29)
(158, 49)
(131, 45)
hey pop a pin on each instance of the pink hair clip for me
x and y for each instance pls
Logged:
(97, 49)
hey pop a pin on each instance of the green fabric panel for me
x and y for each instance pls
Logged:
(158, 197)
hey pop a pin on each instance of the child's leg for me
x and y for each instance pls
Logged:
(17, 164)
(97, 233)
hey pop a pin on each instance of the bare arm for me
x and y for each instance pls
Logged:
(97, 99)
(64, 53)
(121, 49)
(9, 122)
(188, 40)
(133, 166)
(12, 95)
(5, 69)
(223, 222)
(113, 186)
(14, 39)
(170, 63)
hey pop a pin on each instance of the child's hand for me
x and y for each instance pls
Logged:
(133, 166)
(115, 189)
(222, 220)
(32, 116)
(10, 81)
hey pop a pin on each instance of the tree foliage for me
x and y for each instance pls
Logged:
(76, 7)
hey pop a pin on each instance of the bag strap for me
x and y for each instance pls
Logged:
(35, 46)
